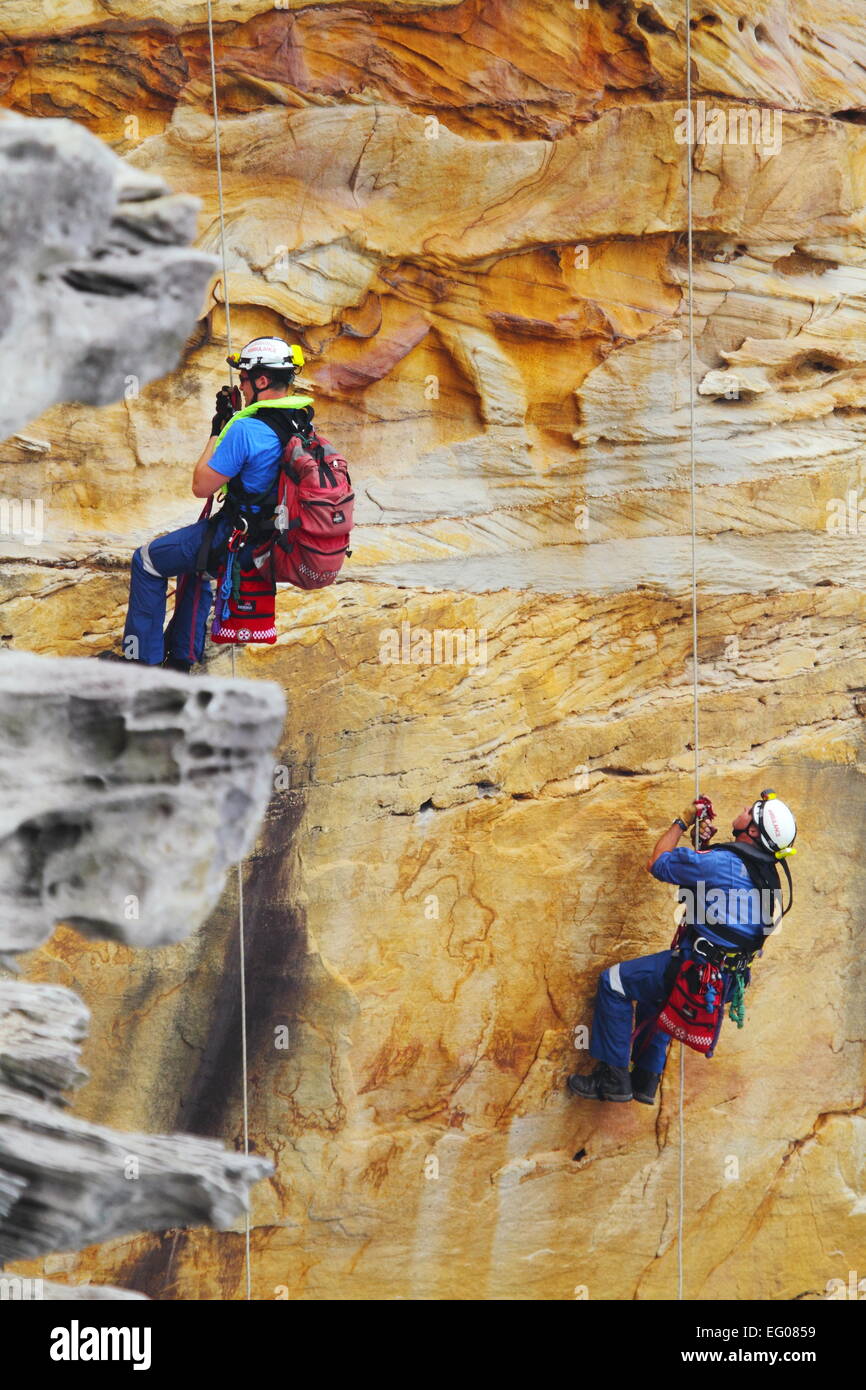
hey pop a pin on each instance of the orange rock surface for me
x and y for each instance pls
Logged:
(474, 217)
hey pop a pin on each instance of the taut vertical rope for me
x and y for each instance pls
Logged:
(241, 940)
(219, 173)
(694, 560)
(243, 958)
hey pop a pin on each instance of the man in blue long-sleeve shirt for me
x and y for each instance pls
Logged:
(724, 912)
(243, 455)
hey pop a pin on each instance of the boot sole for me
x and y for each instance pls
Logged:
(579, 1095)
(645, 1100)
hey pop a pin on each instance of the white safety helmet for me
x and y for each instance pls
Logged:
(274, 354)
(777, 828)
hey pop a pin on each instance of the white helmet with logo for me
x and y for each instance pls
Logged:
(274, 354)
(777, 828)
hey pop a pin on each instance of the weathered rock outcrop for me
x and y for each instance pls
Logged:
(74, 1182)
(473, 217)
(125, 794)
(98, 283)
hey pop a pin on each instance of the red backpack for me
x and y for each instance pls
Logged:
(313, 516)
(312, 523)
(694, 1008)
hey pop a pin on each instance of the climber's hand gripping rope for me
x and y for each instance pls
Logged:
(228, 400)
(701, 813)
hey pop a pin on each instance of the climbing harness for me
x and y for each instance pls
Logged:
(245, 608)
(241, 942)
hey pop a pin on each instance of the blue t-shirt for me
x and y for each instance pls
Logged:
(718, 892)
(250, 450)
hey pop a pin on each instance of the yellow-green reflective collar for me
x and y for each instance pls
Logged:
(281, 403)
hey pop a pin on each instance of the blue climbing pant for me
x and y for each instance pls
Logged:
(631, 983)
(152, 565)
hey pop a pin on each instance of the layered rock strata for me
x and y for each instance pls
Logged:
(473, 217)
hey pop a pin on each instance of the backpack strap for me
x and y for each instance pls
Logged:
(785, 910)
(762, 869)
(285, 423)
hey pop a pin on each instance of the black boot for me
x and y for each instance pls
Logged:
(177, 663)
(644, 1085)
(604, 1083)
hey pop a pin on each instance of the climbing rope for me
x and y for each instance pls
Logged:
(694, 560)
(242, 969)
(737, 1010)
(241, 941)
(219, 174)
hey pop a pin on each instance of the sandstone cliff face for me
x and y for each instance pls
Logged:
(473, 217)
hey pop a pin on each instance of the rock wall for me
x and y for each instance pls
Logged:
(472, 216)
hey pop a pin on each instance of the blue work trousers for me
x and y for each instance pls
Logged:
(153, 564)
(629, 994)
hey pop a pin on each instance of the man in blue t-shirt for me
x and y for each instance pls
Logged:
(724, 913)
(242, 451)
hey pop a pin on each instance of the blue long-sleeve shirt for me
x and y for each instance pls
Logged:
(251, 450)
(719, 895)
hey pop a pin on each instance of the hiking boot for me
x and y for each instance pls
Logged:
(604, 1083)
(112, 655)
(644, 1085)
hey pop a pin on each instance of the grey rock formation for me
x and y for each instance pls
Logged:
(85, 1183)
(53, 1292)
(65, 1183)
(98, 283)
(41, 1027)
(125, 794)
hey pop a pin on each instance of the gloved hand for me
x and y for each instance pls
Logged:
(228, 400)
(706, 831)
(702, 807)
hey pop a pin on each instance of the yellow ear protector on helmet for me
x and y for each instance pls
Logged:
(234, 359)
